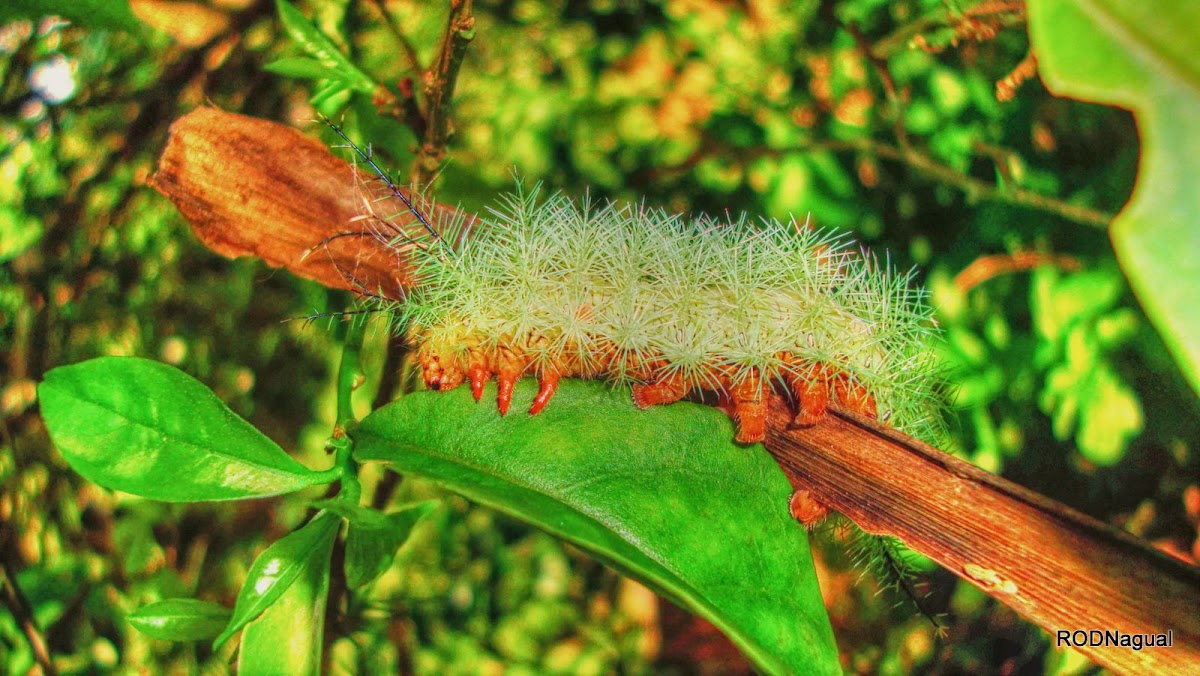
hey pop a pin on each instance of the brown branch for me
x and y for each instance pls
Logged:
(1059, 569)
(987, 267)
(438, 88)
(14, 600)
(1052, 565)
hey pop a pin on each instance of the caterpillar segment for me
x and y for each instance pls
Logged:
(449, 361)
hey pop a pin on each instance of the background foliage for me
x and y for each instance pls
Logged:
(881, 118)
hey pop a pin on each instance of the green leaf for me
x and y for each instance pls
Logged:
(322, 48)
(373, 537)
(180, 619)
(302, 67)
(1110, 419)
(18, 233)
(92, 13)
(663, 495)
(146, 428)
(286, 638)
(1142, 56)
(1061, 302)
(277, 568)
(1087, 389)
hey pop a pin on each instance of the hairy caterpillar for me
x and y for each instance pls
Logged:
(663, 303)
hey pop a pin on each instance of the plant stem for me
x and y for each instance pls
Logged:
(438, 87)
(14, 599)
(978, 190)
(406, 45)
(349, 372)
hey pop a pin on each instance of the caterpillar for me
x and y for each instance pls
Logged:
(667, 305)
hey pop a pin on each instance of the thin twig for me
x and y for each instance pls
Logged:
(1007, 88)
(975, 189)
(406, 45)
(880, 65)
(986, 267)
(14, 599)
(438, 87)
(1004, 13)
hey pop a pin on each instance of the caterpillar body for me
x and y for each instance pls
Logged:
(554, 288)
(671, 305)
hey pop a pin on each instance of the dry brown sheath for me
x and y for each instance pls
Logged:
(255, 188)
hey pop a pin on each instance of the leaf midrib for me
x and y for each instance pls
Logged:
(512, 479)
(305, 474)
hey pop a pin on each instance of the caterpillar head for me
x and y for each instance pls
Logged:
(443, 356)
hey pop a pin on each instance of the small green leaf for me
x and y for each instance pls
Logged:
(1111, 418)
(1061, 302)
(373, 537)
(1142, 56)
(322, 48)
(1087, 390)
(663, 495)
(302, 67)
(93, 13)
(284, 562)
(330, 97)
(287, 637)
(149, 429)
(18, 233)
(180, 619)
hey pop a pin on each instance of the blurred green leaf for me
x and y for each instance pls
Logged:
(180, 619)
(93, 13)
(283, 563)
(1085, 389)
(322, 48)
(373, 537)
(663, 495)
(146, 428)
(1142, 56)
(1060, 302)
(287, 637)
(18, 232)
(302, 67)
(1109, 420)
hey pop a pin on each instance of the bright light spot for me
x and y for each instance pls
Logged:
(53, 80)
(270, 575)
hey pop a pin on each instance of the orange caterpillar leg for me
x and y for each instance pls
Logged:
(666, 391)
(805, 509)
(854, 398)
(750, 409)
(478, 371)
(508, 369)
(478, 376)
(506, 380)
(813, 394)
(546, 389)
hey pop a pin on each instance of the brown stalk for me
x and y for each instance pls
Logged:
(255, 188)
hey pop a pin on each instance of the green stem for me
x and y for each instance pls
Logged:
(349, 372)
